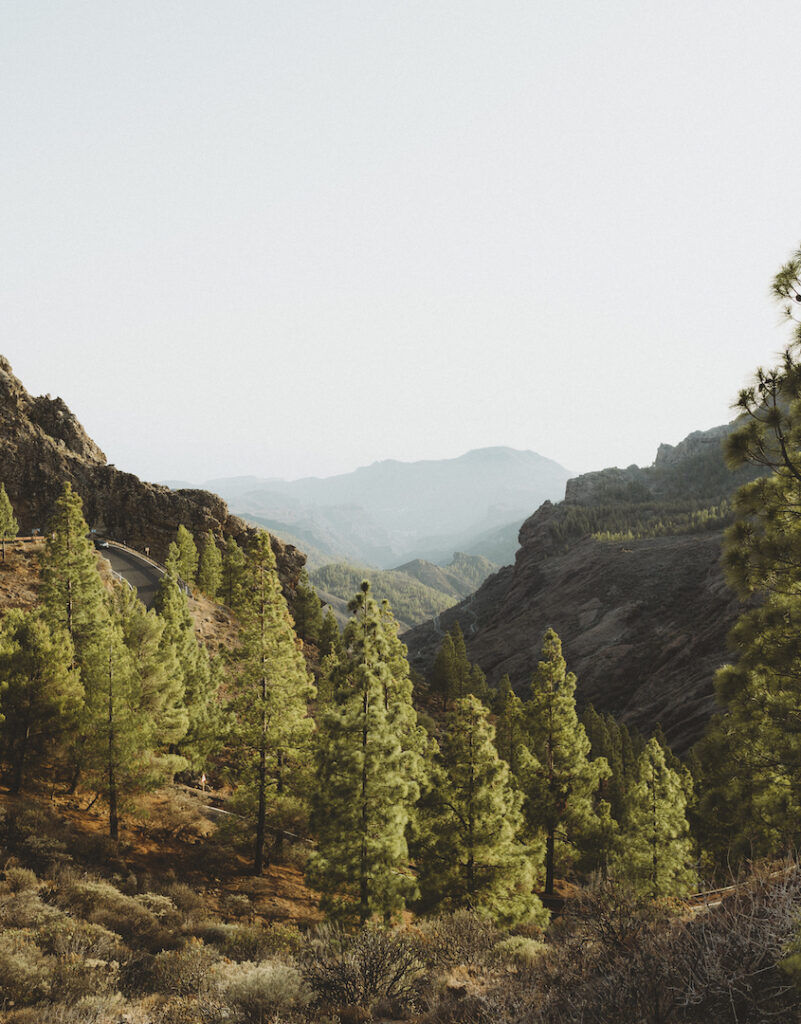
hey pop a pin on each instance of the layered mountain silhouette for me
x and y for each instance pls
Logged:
(393, 512)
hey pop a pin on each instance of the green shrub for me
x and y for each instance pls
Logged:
(258, 991)
(519, 950)
(100, 903)
(20, 879)
(68, 936)
(183, 972)
(24, 910)
(248, 942)
(185, 898)
(25, 971)
(75, 976)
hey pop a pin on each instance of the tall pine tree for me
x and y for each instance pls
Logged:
(469, 852)
(656, 852)
(556, 774)
(209, 568)
(271, 693)
(363, 799)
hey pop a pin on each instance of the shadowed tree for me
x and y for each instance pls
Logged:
(270, 692)
(9, 526)
(40, 691)
(656, 851)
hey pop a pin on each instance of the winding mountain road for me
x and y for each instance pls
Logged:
(142, 573)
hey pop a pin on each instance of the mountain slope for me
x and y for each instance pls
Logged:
(42, 445)
(643, 614)
(411, 600)
(463, 574)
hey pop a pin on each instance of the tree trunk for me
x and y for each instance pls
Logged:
(549, 858)
(113, 819)
(261, 819)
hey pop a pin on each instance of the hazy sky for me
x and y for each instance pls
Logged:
(291, 238)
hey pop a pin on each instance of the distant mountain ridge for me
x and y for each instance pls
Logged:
(392, 511)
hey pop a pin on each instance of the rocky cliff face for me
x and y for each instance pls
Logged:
(42, 444)
(644, 622)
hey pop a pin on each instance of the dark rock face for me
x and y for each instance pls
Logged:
(643, 623)
(42, 445)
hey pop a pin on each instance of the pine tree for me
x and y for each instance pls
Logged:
(559, 780)
(330, 638)
(187, 555)
(308, 610)
(444, 673)
(398, 700)
(71, 591)
(199, 679)
(510, 723)
(361, 805)
(134, 705)
(209, 569)
(9, 526)
(233, 574)
(73, 600)
(40, 691)
(750, 758)
(656, 852)
(469, 853)
(271, 692)
(461, 664)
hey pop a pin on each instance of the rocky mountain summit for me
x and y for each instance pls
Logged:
(643, 618)
(42, 444)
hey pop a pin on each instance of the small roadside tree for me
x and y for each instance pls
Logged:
(9, 527)
(209, 569)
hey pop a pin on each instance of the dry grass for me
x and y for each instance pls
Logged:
(19, 574)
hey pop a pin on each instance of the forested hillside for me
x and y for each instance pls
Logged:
(417, 591)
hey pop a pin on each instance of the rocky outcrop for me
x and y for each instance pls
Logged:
(42, 445)
(644, 623)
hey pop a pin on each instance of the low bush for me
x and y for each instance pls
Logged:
(251, 942)
(25, 971)
(257, 992)
(375, 963)
(458, 938)
(19, 879)
(100, 903)
(182, 972)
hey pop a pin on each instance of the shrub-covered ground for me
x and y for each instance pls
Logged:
(94, 933)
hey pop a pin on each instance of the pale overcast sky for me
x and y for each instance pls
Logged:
(292, 238)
